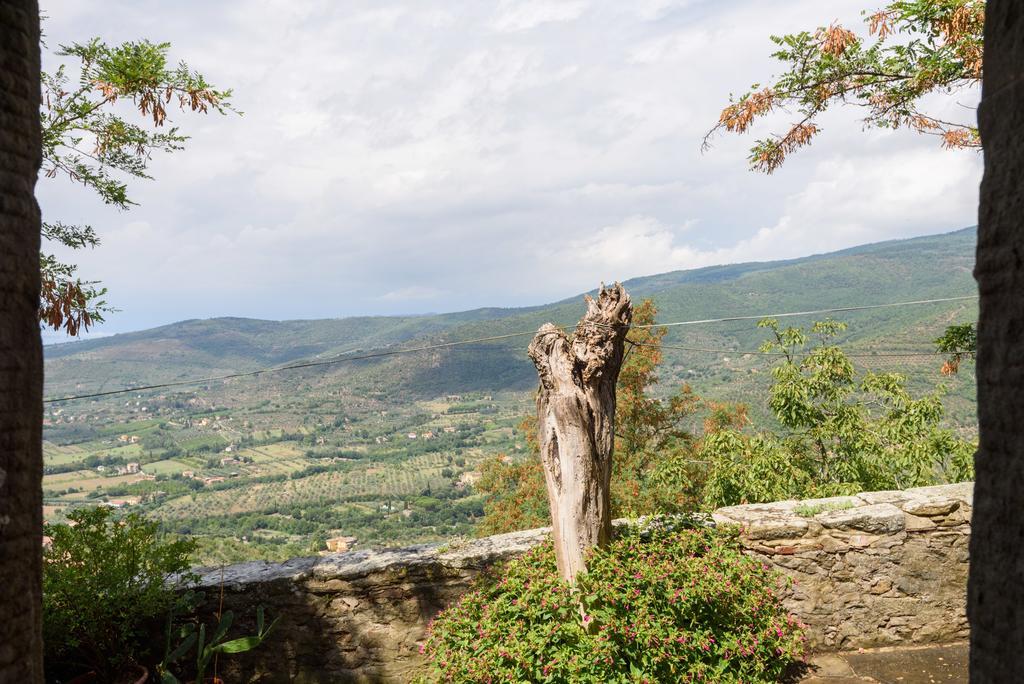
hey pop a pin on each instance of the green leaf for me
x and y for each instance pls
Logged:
(222, 627)
(182, 648)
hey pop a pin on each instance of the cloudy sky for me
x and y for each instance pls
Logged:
(434, 155)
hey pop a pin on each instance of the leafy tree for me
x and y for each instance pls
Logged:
(86, 139)
(653, 469)
(913, 48)
(842, 434)
(960, 342)
(516, 494)
(106, 584)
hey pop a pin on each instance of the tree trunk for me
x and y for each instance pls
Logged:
(996, 586)
(21, 371)
(576, 423)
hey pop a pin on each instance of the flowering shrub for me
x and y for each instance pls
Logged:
(657, 605)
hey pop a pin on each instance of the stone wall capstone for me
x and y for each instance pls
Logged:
(874, 569)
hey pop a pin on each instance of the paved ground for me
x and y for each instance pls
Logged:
(898, 665)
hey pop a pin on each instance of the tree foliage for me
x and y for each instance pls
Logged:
(516, 493)
(835, 432)
(87, 140)
(841, 433)
(106, 584)
(653, 442)
(912, 48)
(959, 342)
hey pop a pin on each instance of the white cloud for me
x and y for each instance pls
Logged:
(454, 155)
(412, 293)
(520, 15)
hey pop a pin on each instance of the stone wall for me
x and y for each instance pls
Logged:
(873, 569)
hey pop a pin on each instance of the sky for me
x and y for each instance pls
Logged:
(427, 155)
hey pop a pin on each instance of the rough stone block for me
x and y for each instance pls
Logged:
(914, 523)
(882, 518)
(931, 506)
(775, 528)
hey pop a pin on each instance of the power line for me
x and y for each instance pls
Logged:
(806, 313)
(760, 352)
(493, 338)
(311, 364)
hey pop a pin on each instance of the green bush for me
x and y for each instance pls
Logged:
(107, 591)
(655, 606)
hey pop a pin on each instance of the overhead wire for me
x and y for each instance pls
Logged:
(781, 353)
(277, 369)
(493, 338)
(807, 313)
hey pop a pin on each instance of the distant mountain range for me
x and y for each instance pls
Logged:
(921, 268)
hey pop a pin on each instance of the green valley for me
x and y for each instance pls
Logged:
(385, 450)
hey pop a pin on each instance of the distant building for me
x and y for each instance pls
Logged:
(213, 480)
(411, 435)
(428, 435)
(188, 474)
(449, 429)
(340, 544)
(469, 478)
(132, 468)
(228, 461)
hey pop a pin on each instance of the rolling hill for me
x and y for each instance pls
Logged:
(920, 268)
(385, 449)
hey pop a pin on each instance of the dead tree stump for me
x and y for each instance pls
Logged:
(576, 422)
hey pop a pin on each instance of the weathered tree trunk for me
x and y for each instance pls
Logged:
(576, 423)
(996, 586)
(21, 370)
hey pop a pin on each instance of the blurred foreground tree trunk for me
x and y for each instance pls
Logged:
(21, 370)
(996, 587)
(576, 422)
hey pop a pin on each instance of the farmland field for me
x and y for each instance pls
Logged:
(248, 489)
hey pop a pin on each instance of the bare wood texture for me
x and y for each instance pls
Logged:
(576, 422)
(996, 584)
(21, 370)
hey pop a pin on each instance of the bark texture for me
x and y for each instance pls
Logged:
(576, 422)
(996, 585)
(21, 374)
